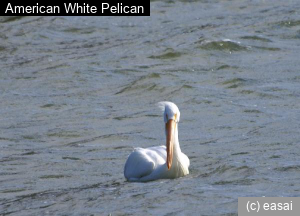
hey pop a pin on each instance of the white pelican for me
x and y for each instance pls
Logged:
(159, 162)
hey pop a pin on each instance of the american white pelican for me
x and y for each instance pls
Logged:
(159, 162)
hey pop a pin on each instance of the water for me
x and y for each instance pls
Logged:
(78, 93)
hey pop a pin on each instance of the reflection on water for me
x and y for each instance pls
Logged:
(79, 93)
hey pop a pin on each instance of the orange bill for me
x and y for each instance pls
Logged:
(170, 141)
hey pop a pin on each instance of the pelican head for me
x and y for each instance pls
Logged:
(171, 118)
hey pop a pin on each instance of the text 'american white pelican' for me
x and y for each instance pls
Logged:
(159, 162)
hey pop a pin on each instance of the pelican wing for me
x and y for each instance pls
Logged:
(138, 165)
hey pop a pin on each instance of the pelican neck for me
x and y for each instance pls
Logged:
(176, 146)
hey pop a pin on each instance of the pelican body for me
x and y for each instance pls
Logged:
(159, 162)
